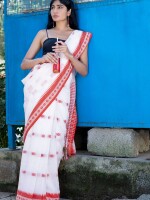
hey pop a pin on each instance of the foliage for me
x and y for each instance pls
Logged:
(3, 127)
(19, 135)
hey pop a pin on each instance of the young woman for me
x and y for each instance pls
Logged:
(49, 101)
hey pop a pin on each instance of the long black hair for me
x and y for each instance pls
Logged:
(72, 18)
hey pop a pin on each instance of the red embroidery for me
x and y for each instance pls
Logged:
(43, 136)
(57, 119)
(71, 125)
(27, 196)
(58, 84)
(33, 153)
(43, 175)
(51, 94)
(51, 155)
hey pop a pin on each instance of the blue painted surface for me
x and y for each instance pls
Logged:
(116, 91)
(19, 33)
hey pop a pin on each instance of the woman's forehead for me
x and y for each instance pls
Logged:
(56, 2)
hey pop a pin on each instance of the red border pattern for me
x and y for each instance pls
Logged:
(56, 87)
(48, 98)
(71, 126)
(51, 94)
(27, 196)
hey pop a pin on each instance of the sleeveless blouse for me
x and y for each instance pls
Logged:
(48, 43)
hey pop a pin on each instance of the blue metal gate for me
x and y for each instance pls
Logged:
(116, 91)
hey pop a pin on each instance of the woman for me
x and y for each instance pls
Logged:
(49, 101)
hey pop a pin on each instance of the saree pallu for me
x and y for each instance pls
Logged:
(50, 122)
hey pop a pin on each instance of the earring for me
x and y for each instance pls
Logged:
(68, 22)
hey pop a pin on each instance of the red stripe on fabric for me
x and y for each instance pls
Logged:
(71, 134)
(85, 37)
(37, 196)
(71, 126)
(56, 87)
(49, 96)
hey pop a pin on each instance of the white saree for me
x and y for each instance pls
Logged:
(50, 122)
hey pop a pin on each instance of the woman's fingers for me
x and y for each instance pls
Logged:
(60, 47)
(50, 58)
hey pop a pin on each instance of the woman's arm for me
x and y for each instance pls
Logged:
(79, 65)
(29, 61)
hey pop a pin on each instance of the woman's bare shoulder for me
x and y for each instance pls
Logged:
(41, 32)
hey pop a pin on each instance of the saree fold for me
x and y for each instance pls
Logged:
(50, 123)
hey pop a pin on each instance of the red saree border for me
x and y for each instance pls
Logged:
(48, 98)
(24, 195)
(84, 40)
(50, 95)
(72, 122)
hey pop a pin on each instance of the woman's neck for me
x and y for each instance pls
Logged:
(61, 27)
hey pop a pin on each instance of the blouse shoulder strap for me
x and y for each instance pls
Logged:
(46, 33)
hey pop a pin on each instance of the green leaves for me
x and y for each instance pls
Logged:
(3, 127)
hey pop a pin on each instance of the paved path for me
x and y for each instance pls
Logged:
(7, 196)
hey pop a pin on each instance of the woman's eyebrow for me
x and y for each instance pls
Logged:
(59, 5)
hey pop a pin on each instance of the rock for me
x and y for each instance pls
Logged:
(144, 197)
(144, 140)
(7, 172)
(117, 142)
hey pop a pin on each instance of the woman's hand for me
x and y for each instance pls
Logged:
(80, 64)
(50, 58)
(61, 47)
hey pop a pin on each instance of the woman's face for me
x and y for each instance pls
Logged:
(59, 11)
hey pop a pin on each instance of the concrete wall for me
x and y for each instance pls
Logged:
(87, 177)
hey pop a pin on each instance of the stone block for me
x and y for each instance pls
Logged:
(144, 197)
(8, 172)
(113, 142)
(95, 177)
(144, 140)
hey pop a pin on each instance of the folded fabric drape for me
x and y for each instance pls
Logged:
(50, 123)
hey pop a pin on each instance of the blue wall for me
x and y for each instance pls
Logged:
(116, 91)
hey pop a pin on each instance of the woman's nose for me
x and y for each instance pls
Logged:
(55, 10)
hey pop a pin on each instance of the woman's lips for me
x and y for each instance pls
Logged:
(55, 16)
